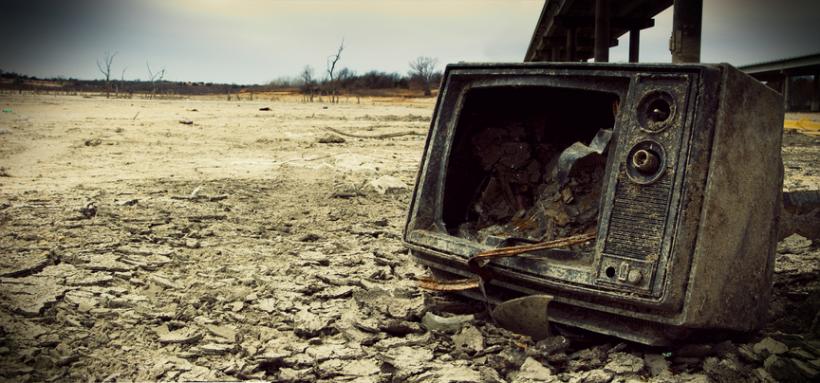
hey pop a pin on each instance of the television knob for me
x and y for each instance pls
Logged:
(634, 277)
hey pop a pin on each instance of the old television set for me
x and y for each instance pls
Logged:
(677, 174)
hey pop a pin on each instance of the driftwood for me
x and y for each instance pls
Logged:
(374, 136)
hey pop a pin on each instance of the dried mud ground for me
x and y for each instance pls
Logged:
(239, 247)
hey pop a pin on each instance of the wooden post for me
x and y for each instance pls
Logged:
(686, 26)
(601, 30)
(634, 44)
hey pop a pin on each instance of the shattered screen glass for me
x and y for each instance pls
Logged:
(527, 164)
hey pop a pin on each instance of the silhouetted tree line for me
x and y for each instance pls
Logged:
(346, 81)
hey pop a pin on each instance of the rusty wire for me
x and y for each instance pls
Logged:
(478, 263)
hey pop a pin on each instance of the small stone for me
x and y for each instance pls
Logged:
(469, 339)
(769, 346)
(532, 371)
(433, 322)
(192, 243)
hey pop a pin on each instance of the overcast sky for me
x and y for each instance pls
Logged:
(255, 41)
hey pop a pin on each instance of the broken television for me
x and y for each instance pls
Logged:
(657, 165)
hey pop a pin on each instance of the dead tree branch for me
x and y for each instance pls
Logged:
(375, 136)
(104, 66)
(423, 69)
(154, 78)
(332, 60)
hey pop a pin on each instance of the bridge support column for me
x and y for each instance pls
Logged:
(571, 43)
(634, 44)
(686, 27)
(601, 31)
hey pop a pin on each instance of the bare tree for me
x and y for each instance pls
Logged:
(307, 82)
(154, 77)
(423, 69)
(104, 65)
(121, 83)
(332, 60)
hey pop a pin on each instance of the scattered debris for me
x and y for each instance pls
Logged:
(454, 323)
(93, 142)
(331, 139)
(123, 297)
(526, 315)
(89, 210)
(375, 136)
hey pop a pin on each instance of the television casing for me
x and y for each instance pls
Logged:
(706, 262)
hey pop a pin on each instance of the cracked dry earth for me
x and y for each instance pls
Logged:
(136, 248)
